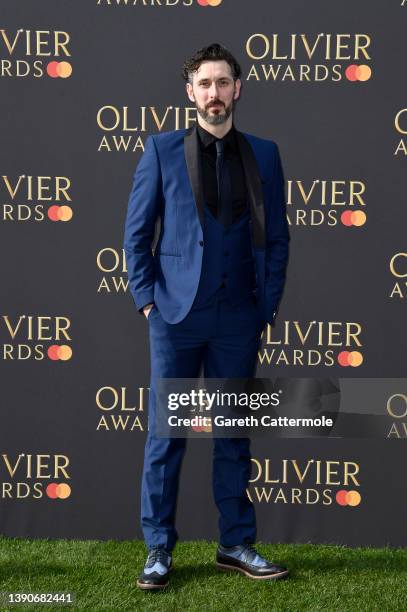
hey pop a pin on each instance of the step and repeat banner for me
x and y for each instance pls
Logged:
(83, 84)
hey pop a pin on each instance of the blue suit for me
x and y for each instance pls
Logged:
(167, 185)
(213, 288)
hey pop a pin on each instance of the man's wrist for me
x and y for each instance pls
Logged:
(146, 309)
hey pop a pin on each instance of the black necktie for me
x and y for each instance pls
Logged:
(224, 185)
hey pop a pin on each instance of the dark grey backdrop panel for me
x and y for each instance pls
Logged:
(77, 425)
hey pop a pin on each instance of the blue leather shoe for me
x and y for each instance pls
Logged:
(156, 570)
(244, 558)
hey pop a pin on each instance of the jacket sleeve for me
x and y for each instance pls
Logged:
(277, 240)
(144, 206)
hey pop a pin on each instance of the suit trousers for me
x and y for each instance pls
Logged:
(225, 339)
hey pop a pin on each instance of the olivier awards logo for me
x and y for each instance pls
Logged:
(35, 198)
(400, 123)
(34, 53)
(321, 202)
(308, 58)
(309, 482)
(312, 343)
(117, 413)
(34, 337)
(112, 263)
(396, 408)
(34, 476)
(125, 129)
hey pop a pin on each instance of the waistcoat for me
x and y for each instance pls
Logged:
(227, 265)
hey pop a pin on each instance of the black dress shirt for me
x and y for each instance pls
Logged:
(232, 157)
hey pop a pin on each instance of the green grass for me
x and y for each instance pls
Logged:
(103, 576)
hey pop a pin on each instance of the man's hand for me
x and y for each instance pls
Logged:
(146, 310)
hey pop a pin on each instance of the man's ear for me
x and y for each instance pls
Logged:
(238, 86)
(190, 92)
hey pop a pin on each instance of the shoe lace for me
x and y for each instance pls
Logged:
(251, 552)
(157, 554)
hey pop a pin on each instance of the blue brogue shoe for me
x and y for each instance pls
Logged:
(156, 570)
(244, 558)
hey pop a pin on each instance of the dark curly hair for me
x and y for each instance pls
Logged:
(213, 52)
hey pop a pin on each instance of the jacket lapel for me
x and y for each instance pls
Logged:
(254, 188)
(193, 160)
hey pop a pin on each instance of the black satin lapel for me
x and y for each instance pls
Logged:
(192, 157)
(254, 188)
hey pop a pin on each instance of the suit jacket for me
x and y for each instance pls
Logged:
(167, 187)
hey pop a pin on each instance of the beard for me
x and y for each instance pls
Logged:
(222, 114)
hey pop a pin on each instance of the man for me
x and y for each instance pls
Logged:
(214, 280)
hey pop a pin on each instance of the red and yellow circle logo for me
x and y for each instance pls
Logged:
(348, 498)
(59, 353)
(209, 2)
(60, 213)
(59, 69)
(350, 358)
(358, 73)
(356, 218)
(58, 491)
(203, 428)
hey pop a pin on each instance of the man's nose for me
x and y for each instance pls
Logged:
(213, 90)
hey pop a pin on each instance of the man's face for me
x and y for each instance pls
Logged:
(214, 91)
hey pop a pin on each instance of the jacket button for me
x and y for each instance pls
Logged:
(201, 243)
(226, 253)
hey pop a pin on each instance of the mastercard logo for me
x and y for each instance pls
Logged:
(348, 498)
(59, 69)
(202, 428)
(58, 491)
(350, 358)
(209, 2)
(356, 218)
(60, 213)
(56, 352)
(358, 73)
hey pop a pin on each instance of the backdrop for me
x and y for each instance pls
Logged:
(82, 86)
